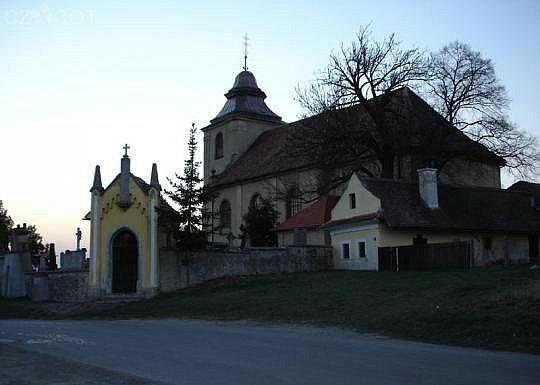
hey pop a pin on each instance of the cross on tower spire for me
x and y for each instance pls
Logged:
(126, 148)
(245, 37)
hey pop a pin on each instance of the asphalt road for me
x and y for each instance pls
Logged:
(197, 353)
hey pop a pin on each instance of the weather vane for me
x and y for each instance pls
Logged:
(245, 51)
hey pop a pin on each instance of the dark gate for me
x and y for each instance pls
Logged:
(125, 256)
(387, 259)
(426, 257)
(533, 249)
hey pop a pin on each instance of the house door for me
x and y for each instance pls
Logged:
(125, 256)
(533, 249)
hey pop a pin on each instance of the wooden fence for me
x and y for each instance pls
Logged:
(428, 257)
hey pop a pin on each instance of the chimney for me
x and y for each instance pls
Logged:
(427, 183)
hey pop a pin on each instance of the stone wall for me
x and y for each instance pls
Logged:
(180, 270)
(64, 286)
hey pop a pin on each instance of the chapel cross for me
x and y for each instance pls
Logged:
(126, 147)
(79, 236)
(245, 51)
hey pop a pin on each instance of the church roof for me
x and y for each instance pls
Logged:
(312, 216)
(246, 99)
(531, 188)
(460, 208)
(268, 154)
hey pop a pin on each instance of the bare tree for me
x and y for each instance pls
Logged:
(352, 110)
(465, 91)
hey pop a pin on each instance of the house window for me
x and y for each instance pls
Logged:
(361, 249)
(293, 203)
(218, 150)
(487, 243)
(352, 201)
(225, 214)
(346, 250)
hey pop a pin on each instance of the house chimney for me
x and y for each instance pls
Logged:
(427, 183)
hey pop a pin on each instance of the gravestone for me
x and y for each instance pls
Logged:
(13, 284)
(42, 262)
(40, 287)
(73, 260)
(51, 260)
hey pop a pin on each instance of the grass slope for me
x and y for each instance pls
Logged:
(488, 309)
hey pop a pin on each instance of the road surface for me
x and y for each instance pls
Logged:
(207, 353)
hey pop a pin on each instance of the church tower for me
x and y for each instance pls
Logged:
(242, 119)
(124, 252)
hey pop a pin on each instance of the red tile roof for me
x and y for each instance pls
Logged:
(312, 216)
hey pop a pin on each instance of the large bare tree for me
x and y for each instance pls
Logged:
(351, 110)
(465, 90)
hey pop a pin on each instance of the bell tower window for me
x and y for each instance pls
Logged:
(218, 149)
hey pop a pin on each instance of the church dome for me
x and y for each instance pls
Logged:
(246, 99)
(245, 79)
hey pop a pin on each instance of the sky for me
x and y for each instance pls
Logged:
(78, 79)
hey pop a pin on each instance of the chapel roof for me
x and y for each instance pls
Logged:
(460, 208)
(145, 188)
(245, 99)
(268, 153)
(312, 216)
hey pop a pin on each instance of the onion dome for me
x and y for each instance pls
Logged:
(245, 99)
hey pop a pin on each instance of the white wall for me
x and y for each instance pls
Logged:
(368, 233)
(366, 202)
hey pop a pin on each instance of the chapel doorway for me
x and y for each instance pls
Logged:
(125, 252)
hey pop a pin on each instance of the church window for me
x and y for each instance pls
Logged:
(256, 201)
(218, 150)
(293, 203)
(225, 214)
(487, 243)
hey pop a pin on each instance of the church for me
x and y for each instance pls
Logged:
(245, 147)
(244, 162)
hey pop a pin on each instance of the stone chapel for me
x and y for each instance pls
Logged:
(125, 236)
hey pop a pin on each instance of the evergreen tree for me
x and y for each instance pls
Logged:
(187, 194)
(6, 223)
(260, 222)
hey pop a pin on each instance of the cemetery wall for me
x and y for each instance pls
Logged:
(64, 286)
(184, 269)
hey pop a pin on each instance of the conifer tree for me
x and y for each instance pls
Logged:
(260, 222)
(187, 194)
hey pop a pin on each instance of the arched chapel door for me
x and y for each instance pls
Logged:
(125, 253)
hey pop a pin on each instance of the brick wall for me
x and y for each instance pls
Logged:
(180, 270)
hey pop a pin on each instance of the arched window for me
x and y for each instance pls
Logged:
(218, 149)
(293, 203)
(225, 214)
(256, 201)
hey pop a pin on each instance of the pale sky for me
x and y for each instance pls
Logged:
(80, 79)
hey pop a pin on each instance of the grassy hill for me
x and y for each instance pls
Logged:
(497, 309)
